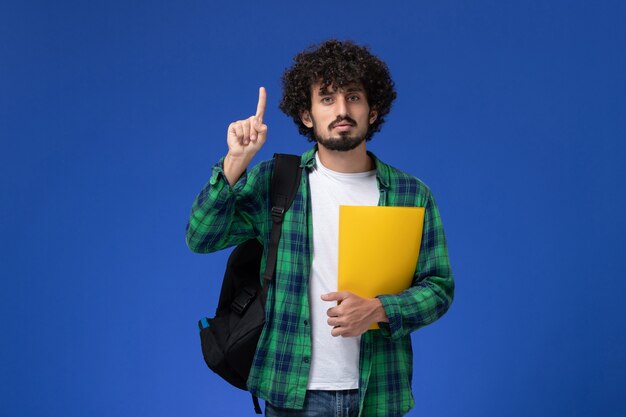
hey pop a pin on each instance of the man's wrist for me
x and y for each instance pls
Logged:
(379, 312)
(234, 167)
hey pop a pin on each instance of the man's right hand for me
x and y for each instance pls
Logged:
(245, 138)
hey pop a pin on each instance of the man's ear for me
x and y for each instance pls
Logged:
(373, 116)
(305, 116)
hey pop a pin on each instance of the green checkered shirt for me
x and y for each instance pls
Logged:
(224, 216)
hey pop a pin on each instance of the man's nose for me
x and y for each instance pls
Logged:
(342, 106)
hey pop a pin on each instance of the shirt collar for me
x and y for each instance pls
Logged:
(382, 170)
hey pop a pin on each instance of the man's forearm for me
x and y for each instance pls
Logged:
(234, 167)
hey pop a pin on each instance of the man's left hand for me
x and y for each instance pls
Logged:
(353, 315)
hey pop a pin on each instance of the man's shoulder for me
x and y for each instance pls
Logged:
(399, 180)
(266, 166)
(262, 169)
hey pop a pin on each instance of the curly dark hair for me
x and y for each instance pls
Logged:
(337, 64)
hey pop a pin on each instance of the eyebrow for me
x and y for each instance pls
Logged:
(351, 89)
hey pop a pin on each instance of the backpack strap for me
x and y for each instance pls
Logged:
(257, 406)
(283, 187)
(285, 182)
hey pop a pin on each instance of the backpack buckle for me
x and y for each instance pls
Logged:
(243, 300)
(277, 214)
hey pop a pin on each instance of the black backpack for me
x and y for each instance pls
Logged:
(229, 339)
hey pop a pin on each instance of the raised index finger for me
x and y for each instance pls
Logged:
(260, 107)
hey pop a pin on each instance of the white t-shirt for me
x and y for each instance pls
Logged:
(334, 360)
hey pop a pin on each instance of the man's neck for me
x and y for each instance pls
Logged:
(355, 160)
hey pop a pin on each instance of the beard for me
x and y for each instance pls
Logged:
(342, 143)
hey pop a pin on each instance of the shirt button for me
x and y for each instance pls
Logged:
(306, 322)
(305, 360)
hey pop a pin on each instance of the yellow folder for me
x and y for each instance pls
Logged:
(378, 249)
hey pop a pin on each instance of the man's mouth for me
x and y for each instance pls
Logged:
(343, 125)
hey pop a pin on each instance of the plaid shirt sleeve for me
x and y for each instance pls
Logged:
(432, 289)
(224, 216)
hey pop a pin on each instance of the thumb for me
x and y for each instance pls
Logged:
(335, 296)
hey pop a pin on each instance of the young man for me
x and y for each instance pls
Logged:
(315, 356)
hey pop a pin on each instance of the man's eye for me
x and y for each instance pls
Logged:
(353, 98)
(327, 100)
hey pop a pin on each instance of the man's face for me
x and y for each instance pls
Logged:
(340, 117)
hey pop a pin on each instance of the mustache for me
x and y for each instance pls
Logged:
(342, 119)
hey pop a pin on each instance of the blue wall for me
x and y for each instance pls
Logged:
(112, 113)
